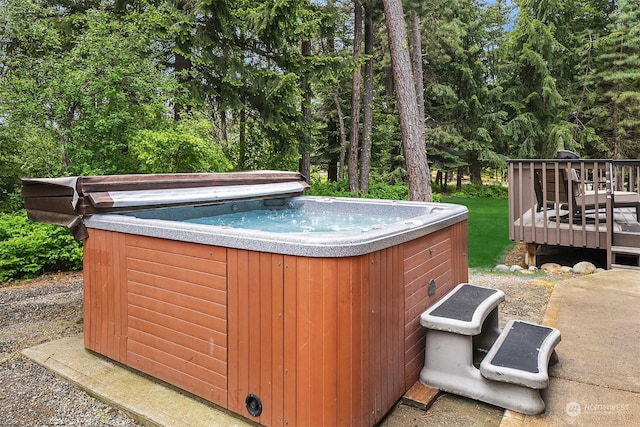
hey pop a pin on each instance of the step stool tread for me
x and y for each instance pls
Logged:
(463, 310)
(521, 354)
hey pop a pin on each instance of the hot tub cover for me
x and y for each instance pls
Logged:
(65, 201)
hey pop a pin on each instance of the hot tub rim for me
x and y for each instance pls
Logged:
(334, 244)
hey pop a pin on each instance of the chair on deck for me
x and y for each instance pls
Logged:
(583, 199)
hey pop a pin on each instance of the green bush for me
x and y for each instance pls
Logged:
(377, 190)
(29, 248)
(473, 191)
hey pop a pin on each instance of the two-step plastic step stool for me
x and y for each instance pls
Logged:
(463, 327)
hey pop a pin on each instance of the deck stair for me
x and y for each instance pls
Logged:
(463, 327)
(625, 257)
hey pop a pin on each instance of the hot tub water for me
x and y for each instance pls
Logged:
(292, 220)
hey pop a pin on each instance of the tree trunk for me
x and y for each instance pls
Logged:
(304, 147)
(332, 144)
(242, 139)
(354, 185)
(343, 135)
(388, 84)
(181, 65)
(411, 126)
(475, 172)
(223, 125)
(367, 114)
(416, 63)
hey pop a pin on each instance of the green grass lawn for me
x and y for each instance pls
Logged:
(488, 230)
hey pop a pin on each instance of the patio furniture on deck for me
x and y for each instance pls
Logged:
(582, 195)
(580, 203)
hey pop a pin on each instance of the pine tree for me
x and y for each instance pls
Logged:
(614, 85)
(537, 109)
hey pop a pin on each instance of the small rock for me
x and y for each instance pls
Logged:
(523, 271)
(550, 266)
(533, 268)
(515, 268)
(584, 267)
(501, 267)
(599, 270)
(566, 269)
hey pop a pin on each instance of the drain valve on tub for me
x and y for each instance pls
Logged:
(253, 404)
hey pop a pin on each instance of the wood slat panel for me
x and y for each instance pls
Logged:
(328, 283)
(175, 272)
(459, 253)
(137, 359)
(204, 252)
(199, 364)
(441, 257)
(233, 330)
(290, 340)
(374, 326)
(302, 320)
(347, 311)
(178, 325)
(256, 333)
(175, 291)
(184, 261)
(214, 346)
(105, 320)
(178, 312)
(201, 305)
(216, 293)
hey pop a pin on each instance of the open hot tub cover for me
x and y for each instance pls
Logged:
(66, 200)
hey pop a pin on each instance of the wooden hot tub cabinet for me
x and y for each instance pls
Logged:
(320, 341)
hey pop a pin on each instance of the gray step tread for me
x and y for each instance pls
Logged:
(463, 310)
(521, 354)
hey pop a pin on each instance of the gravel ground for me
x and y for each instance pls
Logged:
(50, 307)
(39, 311)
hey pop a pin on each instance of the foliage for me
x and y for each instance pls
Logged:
(612, 101)
(81, 85)
(536, 108)
(29, 249)
(475, 191)
(466, 126)
(330, 189)
(377, 190)
(184, 147)
(99, 86)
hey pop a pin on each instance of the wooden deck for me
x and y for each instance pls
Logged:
(577, 203)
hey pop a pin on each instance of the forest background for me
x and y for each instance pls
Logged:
(115, 86)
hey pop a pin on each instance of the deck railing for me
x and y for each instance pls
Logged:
(567, 202)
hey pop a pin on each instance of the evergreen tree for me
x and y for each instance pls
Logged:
(537, 109)
(464, 120)
(613, 99)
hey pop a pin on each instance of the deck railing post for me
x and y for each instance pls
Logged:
(609, 209)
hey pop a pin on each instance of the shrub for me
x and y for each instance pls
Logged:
(473, 191)
(29, 248)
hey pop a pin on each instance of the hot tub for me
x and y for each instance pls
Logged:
(297, 327)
